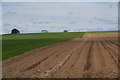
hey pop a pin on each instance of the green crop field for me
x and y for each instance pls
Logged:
(103, 32)
(16, 44)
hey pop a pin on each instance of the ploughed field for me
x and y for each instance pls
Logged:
(93, 56)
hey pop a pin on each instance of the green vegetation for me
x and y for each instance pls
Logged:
(17, 44)
(102, 32)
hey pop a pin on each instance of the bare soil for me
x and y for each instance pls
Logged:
(93, 56)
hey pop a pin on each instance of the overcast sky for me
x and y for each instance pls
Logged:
(60, 0)
(32, 17)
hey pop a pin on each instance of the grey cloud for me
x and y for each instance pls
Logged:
(10, 13)
(106, 21)
(90, 21)
(35, 21)
(29, 17)
(6, 25)
(70, 13)
(41, 22)
(6, 28)
(113, 5)
(0, 4)
(15, 25)
(119, 4)
(72, 22)
(29, 20)
(52, 27)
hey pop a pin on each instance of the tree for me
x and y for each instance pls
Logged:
(15, 31)
(44, 31)
(65, 31)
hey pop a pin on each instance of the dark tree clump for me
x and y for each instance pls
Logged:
(65, 31)
(44, 31)
(15, 31)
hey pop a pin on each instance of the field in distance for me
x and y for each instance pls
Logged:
(13, 45)
(93, 56)
(16, 44)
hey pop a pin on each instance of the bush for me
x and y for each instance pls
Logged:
(65, 31)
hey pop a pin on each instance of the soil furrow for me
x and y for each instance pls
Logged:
(89, 58)
(93, 56)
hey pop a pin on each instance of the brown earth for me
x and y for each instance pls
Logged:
(93, 56)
